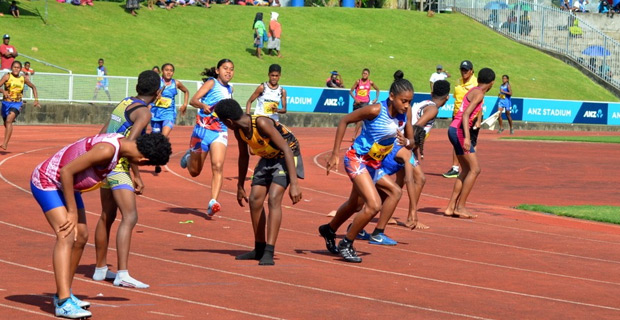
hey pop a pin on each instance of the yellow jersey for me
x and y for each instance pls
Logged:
(14, 87)
(460, 90)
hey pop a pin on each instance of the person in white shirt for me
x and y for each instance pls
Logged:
(441, 74)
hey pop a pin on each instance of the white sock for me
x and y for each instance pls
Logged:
(123, 279)
(103, 273)
(455, 168)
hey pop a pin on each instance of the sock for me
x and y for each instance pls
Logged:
(103, 273)
(256, 254)
(267, 259)
(455, 168)
(62, 301)
(377, 231)
(122, 274)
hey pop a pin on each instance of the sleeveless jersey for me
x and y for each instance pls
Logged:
(417, 110)
(46, 176)
(165, 108)
(458, 118)
(263, 147)
(379, 134)
(268, 102)
(101, 75)
(503, 96)
(14, 86)
(460, 90)
(216, 94)
(362, 90)
(120, 123)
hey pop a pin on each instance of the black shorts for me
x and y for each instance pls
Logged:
(270, 171)
(359, 105)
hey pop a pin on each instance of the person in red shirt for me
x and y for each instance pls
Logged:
(7, 53)
(275, 30)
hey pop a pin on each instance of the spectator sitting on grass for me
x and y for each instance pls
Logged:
(14, 10)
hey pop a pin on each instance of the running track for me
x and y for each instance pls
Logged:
(507, 264)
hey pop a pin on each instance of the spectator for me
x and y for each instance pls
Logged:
(274, 3)
(14, 10)
(260, 33)
(7, 54)
(156, 69)
(565, 5)
(335, 80)
(26, 70)
(441, 74)
(102, 81)
(275, 30)
(609, 4)
(86, 2)
(132, 6)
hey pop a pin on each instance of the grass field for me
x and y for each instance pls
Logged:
(314, 42)
(598, 139)
(609, 214)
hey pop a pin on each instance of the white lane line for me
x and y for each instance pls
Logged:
(166, 314)
(27, 310)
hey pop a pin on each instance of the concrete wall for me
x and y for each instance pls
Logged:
(54, 113)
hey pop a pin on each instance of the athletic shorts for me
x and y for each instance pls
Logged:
(390, 165)
(157, 126)
(268, 171)
(355, 165)
(102, 85)
(456, 138)
(9, 106)
(359, 105)
(117, 180)
(202, 138)
(506, 104)
(50, 199)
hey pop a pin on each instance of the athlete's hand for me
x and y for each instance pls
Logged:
(68, 226)
(36, 104)
(400, 138)
(332, 163)
(183, 108)
(138, 185)
(207, 109)
(294, 193)
(466, 145)
(241, 196)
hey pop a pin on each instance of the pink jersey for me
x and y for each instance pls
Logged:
(458, 118)
(46, 176)
(362, 90)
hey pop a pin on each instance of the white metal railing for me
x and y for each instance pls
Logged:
(550, 29)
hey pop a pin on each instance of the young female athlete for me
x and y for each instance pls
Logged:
(12, 87)
(505, 103)
(269, 95)
(460, 137)
(210, 134)
(164, 111)
(363, 161)
(360, 92)
(57, 184)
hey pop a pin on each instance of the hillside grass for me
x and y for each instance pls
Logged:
(610, 214)
(314, 42)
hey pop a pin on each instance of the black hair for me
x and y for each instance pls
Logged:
(155, 67)
(398, 75)
(400, 85)
(507, 78)
(441, 88)
(365, 69)
(155, 147)
(228, 109)
(148, 83)
(486, 75)
(27, 62)
(211, 72)
(14, 62)
(258, 16)
(100, 59)
(275, 67)
(165, 65)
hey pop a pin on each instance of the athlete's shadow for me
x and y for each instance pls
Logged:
(432, 210)
(233, 253)
(188, 211)
(43, 300)
(325, 252)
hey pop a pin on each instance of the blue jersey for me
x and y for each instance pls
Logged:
(504, 88)
(216, 94)
(379, 134)
(101, 76)
(165, 108)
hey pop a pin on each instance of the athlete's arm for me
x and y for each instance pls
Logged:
(474, 97)
(4, 79)
(140, 118)
(353, 90)
(283, 102)
(376, 89)
(183, 89)
(509, 89)
(267, 127)
(257, 92)
(195, 101)
(242, 163)
(34, 92)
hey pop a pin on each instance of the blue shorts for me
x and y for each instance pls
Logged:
(390, 166)
(355, 165)
(51, 199)
(9, 106)
(506, 104)
(202, 138)
(157, 126)
(456, 138)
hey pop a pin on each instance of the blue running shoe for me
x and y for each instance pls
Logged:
(80, 303)
(362, 235)
(71, 310)
(382, 239)
(185, 159)
(214, 207)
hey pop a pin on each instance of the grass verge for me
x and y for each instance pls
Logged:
(610, 214)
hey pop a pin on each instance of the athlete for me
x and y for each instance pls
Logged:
(269, 96)
(12, 88)
(361, 98)
(505, 103)
(210, 134)
(57, 184)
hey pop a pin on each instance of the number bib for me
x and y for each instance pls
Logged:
(379, 152)
(163, 102)
(270, 107)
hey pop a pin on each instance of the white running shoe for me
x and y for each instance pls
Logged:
(129, 282)
(71, 310)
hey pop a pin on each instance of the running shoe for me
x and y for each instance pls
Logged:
(347, 252)
(382, 239)
(129, 282)
(329, 236)
(451, 173)
(512, 131)
(500, 130)
(185, 159)
(362, 235)
(71, 310)
(214, 207)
